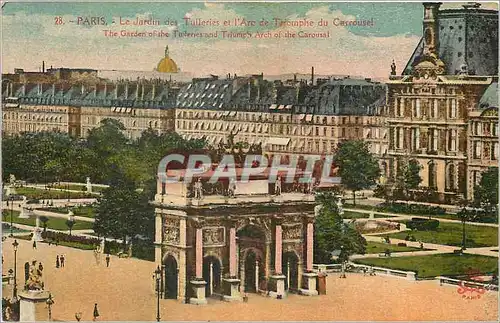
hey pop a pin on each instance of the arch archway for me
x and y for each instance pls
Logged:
(212, 275)
(432, 180)
(171, 277)
(253, 264)
(291, 270)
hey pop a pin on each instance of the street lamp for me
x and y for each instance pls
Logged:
(50, 302)
(15, 244)
(158, 278)
(11, 215)
(341, 256)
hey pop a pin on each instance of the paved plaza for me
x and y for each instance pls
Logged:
(124, 291)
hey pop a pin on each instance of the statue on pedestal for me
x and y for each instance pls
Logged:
(34, 281)
(198, 190)
(393, 68)
(89, 185)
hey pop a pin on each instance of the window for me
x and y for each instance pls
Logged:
(432, 174)
(477, 128)
(417, 108)
(450, 177)
(494, 155)
(317, 131)
(453, 109)
(477, 149)
(402, 108)
(399, 138)
(452, 140)
(343, 132)
(416, 138)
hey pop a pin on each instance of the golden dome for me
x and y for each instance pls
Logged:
(166, 64)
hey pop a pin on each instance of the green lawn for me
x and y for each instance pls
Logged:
(355, 215)
(451, 234)
(86, 211)
(378, 247)
(42, 194)
(53, 223)
(436, 265)
(82, 188)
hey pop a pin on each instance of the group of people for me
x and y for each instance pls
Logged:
(60, 261)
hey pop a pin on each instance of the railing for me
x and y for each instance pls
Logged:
(352, 267)
(467, 283)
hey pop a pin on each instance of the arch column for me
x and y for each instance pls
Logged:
(232, 291)
(198, 284)
(308, 276)
(278, 278)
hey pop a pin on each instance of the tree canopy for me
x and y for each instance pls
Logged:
(358, 168)
(486, 192)
(331, 233)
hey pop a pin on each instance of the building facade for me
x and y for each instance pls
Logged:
(433, 105)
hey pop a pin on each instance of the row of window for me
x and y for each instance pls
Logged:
(286, 118)
(415, 139)
(429, 107)
(480, 128)
(28, 117)
(485, 150)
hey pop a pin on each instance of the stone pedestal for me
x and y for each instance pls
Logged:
(279, 282)
(199, 292)
(32, 306)
(24, 213)
(232, 290)
(309, 284)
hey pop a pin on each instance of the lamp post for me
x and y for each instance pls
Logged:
(11, 215)
(50, 302)
(158, 278)
(341, 256)
(15, 244)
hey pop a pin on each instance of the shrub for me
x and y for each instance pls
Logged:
(411, 209)
(401, 244)
(421, 224)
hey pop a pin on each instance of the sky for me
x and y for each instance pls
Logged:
(31, 34)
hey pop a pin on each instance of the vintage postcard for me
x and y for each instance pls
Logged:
(249, 161)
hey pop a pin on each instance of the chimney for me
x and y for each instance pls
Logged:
(11, 89)
(83, 89)
(312, 75)
(430, 30)
(142, 91)
(116, 91)
(137, 90)
(126, 90)
(39, 88)
(53, 89)
(24, 89)
(105, 90)
(43, 66)
(95, 90)
(153, 92)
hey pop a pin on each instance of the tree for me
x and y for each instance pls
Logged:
(331, 233)
(466, 214)
(486, 193)
(407, 178)
(123, 212)
(357, 166)
(70, 224)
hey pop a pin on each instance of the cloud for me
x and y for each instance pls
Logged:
(76, 46)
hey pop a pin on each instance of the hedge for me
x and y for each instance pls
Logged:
(411, 209)
(421, 224)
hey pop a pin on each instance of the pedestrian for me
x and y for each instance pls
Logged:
(57, 261)
(62, 260)
(40, 267)
(107, 260)
(34, 244)
(96, 312)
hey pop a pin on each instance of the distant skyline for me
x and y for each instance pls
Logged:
(30, 35)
